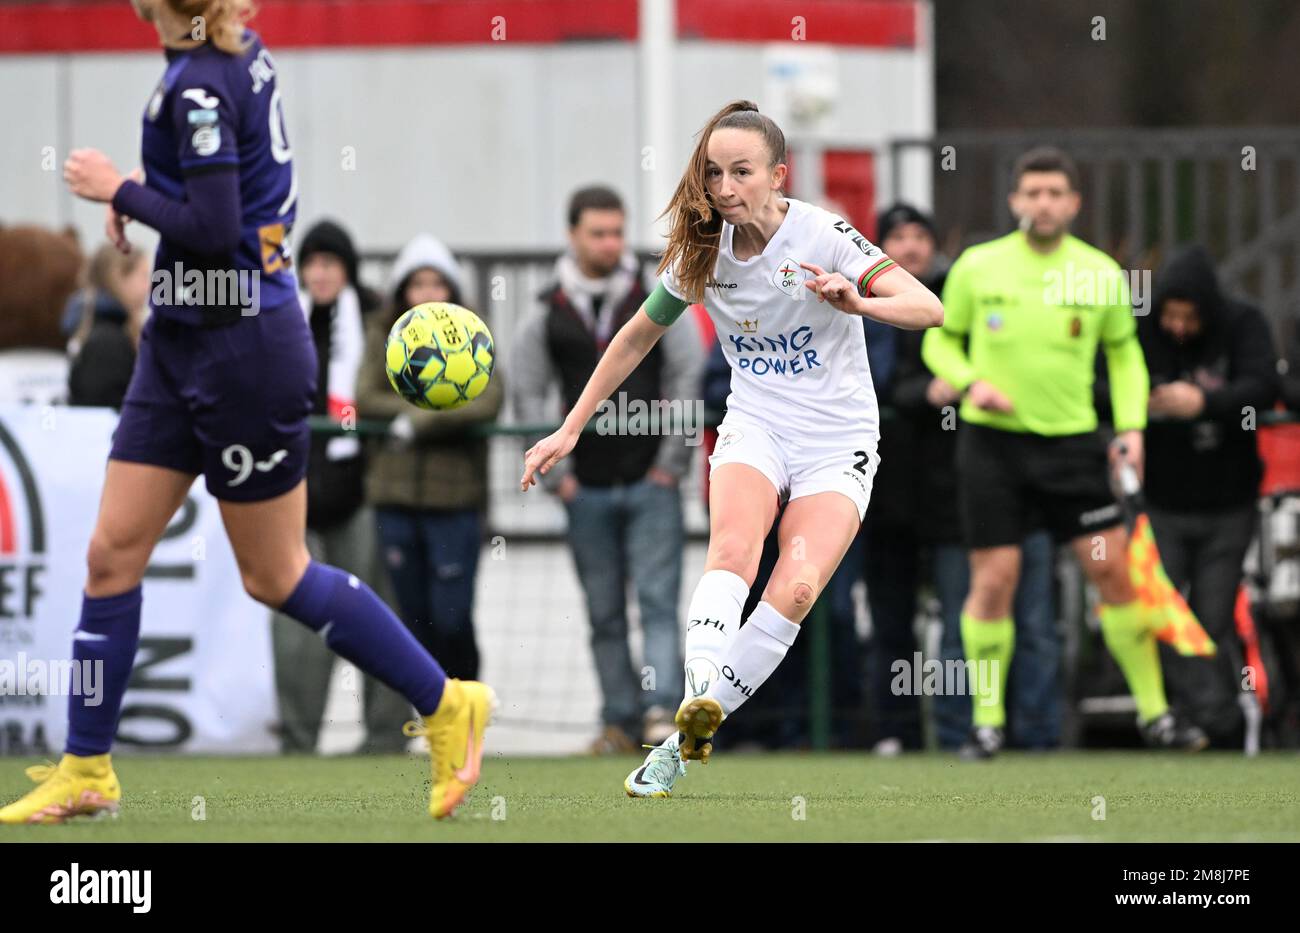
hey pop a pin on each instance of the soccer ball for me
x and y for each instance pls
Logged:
(439, 356)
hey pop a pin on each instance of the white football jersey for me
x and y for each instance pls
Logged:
(797, 365)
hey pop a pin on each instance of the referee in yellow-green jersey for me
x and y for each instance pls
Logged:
(1023, 317)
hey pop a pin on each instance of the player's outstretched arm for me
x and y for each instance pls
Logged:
(625, 352)
(896, 297)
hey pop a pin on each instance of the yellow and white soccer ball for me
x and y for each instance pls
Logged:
(439, 356)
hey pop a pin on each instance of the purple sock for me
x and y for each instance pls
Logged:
(356, 625)
(107, 637)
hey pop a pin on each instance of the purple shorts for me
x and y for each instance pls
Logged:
(229, 402)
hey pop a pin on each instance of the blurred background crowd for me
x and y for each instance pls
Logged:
(1190, 168)
(403, 504)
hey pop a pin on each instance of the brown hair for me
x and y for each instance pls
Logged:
(38, 274)
(223, 20)
(593, 198)
(104, 272)
(695, 224)
(1045, 159)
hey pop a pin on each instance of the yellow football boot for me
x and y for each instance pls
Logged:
(76, 786)
(455, 734)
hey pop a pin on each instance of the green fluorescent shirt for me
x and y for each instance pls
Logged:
(1034, 323)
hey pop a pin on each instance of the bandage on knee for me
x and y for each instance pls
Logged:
(804, 591)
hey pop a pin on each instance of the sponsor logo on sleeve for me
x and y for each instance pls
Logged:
(201, 97)
(868, 248)
(206, 140)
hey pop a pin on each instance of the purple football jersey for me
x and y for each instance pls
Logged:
(218, 112)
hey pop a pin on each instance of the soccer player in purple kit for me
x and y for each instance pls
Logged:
(222, 387)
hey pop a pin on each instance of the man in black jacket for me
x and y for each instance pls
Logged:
(1290, 365)
(917, 524)
(620, 489)
(1213, 371)
(340, 527)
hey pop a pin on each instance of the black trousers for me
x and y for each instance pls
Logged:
(1203, 552)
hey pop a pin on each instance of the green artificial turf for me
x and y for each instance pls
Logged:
(772, 797)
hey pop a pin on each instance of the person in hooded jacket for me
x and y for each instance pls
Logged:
(102, 322)
(340, 526)
(428, 478)
(1290, 365)
(919, 537)
(1213, 370)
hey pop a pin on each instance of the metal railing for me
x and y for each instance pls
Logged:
(529, 595)
(1145, 192)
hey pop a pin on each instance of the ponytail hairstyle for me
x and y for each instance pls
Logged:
(223, 20)
(695, 224)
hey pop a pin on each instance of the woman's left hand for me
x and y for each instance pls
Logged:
(832, 287)
(91, 175)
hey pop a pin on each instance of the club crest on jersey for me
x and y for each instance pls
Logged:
(789, 277)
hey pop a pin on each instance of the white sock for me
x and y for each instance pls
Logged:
(711, 622)
(752, 656)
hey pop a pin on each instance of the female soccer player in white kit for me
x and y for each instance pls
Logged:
(802, 421)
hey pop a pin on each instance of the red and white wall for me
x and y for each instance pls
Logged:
(472, 119)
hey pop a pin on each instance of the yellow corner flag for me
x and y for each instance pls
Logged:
(1180, 628)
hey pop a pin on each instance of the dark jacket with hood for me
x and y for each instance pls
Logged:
(335, 484)
(1209, 462)
(921, 482)
(1291, 371)
(101, 369)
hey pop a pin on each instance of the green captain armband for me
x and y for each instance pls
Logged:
(662, 307)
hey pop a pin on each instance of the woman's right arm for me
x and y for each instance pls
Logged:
(625, 352)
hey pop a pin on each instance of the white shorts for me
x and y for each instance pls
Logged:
(800, 466)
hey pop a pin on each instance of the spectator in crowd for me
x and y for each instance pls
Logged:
(103, 321)
(1213, 371)
(1289, 365)
(40, 269)
(620, 491)
(925, 536)
(862, 561)
(428, 478)
(340, 526)
(890, 551)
